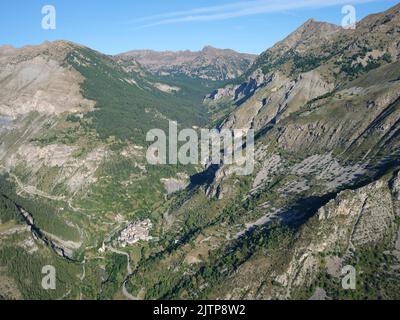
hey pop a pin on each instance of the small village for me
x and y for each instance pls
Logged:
(135, 232)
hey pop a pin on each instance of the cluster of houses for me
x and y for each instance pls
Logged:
(135, 232)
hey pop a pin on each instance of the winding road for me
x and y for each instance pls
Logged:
(129, 273)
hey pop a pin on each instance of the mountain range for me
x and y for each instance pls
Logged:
(324, 197)
(209, 63)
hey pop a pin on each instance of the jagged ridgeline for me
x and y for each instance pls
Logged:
(208, 64)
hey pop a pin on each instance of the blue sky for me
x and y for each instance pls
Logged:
(121, 25)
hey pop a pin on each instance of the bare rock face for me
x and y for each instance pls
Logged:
(75, 173)
(34, 79)
(307, 36)
(269, 166)
(241, 92)
(176, 184)
(396, 186)
(266, 99)
(38, 90)
(369, 210)
(210, 63)
(353, 220)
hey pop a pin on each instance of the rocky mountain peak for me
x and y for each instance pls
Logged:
(311, 33)
(57, 50)
(310, 21)
(209, 48)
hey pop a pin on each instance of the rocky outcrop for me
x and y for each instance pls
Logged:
(369, 213)
(241, 92)
(176, 184)
(34, 79)
(353, 220)
(73, 172)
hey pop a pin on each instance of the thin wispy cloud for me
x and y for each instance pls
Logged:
(203, 10)
(237, 10)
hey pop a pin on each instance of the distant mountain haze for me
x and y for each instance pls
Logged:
(209, 63)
